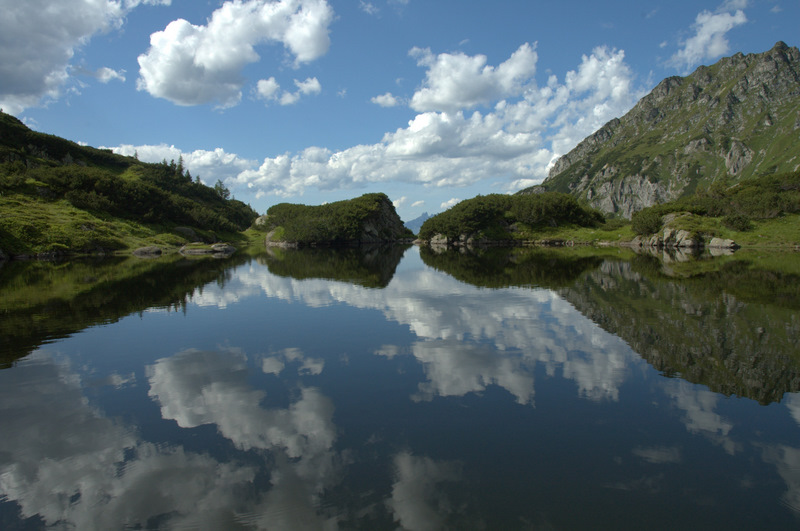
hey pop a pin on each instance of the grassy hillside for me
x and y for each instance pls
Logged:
(59, 196)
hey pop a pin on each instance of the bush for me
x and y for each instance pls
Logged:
(646, 221)
(738, 222)
(492, 215)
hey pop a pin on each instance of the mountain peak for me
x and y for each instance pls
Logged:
(735, 119)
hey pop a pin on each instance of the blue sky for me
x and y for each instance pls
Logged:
(312, 101)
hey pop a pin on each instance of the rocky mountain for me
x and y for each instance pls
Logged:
(735, 119)
(415, 224)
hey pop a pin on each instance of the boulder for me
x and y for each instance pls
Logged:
(223, 248)
(147, 252)
(439, 239)
(188, 233)
(720, 243)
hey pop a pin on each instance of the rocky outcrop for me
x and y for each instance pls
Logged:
(680, 239)
(382, 225)
(668, 238)
(737, 118)
(721, 243)
(149, 251)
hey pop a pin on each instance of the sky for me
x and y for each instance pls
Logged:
(313, 101)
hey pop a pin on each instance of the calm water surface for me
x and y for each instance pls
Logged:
(400, 389)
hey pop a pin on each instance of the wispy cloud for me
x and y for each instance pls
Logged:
(709, 40)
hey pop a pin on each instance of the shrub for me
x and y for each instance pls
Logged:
(491, 215)
(738, 222)
(646, 221)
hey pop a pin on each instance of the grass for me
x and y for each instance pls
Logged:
(611, 232)
(781, 233)
(31, 226)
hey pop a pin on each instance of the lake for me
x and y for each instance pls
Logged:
(401, 388)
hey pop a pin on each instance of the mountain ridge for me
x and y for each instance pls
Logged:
(732, 120)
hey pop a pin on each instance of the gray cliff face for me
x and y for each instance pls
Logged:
(735, 119)
(383, 226)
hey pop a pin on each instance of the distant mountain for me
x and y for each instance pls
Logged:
(733, 120)
(415, 224)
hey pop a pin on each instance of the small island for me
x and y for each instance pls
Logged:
(369, 219)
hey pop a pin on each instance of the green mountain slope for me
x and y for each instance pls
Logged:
(57, 196)
(736, 119)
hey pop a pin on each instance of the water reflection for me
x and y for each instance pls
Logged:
(418, 500)
(431, 403)
(371, 266)
(195, 388)
(732, 327)
(727, 329)
(45, 301)
(698, 405)
(469, 338)
(68, 465)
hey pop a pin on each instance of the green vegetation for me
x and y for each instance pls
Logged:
(42, 300)
(506, 217)
(58, 196)
(739, 207)
(500, 267)
(690, 133)
(368, 266)
(341, 222)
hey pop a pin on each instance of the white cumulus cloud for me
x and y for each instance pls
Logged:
(510, 146)
(458, 81)
(189, 64)
(304, 88)
(449, 203)
(209, 165)
(709, 40)
(368, 7)
(385, 100)
(267, 89)
(38, 39)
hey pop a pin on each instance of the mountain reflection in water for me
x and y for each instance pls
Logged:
(400, 388)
